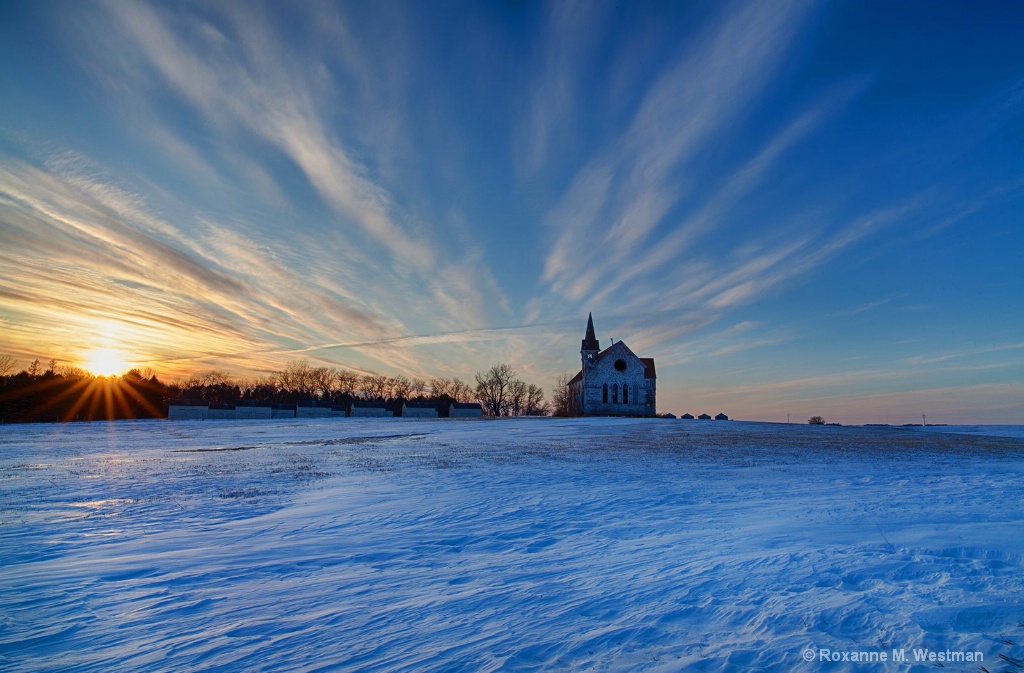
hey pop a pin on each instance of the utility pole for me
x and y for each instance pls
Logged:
(787, 419)
(924, 420)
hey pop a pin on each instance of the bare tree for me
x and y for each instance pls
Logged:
(6, 364)
(373, 386)
(246, 386)
(216, 377)
(297, 377)
(400, 387)
(323, 379)
(70, 372)
(33, 368)
(460, 391)
(492, 388)
(347, 382)
(561, 400)
(816, 420)
(441, 387)
(533, 403)
(516, 398)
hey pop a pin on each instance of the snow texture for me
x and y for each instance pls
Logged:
(513, 545)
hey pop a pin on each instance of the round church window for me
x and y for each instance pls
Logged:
(620, 365)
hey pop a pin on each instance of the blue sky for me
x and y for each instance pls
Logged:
(794, 207)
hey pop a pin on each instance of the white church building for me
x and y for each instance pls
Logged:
(612, 382)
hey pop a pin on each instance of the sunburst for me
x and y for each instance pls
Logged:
(106, 362)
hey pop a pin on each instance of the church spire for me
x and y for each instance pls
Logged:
(590, 340)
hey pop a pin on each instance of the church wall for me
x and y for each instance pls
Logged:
(641, 390)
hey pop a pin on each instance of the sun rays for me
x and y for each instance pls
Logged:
(92, 398)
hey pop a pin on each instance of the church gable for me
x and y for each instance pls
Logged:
(619, 359)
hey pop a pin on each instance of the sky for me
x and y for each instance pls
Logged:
(796, 208)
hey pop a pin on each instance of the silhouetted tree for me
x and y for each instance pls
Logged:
(323, 380)
(561, 400)
(533, 403)
(373, 386)
(460, 391)
(399, 387)
(347, 382)
(6, 364)
(297, 378)
(493, 389)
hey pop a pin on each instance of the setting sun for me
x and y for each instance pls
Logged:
(105, 362)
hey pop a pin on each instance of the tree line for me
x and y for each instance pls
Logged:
(65, 393)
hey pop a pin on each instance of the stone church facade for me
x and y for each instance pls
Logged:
(612, 382)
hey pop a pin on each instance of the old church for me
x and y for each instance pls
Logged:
(612, 382)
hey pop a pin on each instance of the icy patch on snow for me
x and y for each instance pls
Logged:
(589, 544)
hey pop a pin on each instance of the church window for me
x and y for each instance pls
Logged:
(625, 394)
(604, 394)
(615, 393)
(620, 365)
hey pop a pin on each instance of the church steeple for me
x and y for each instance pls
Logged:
(589, 347)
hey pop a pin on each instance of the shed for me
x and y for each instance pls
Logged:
(251, 409)
(721, 417)
(221, 412)
(282, 411)
(369, 409)
(313, 409)
(183, 409)
(467, 410)
(419, 409)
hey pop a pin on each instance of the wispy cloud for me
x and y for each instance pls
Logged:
(253, 92)
(572, 32)
(963, 353)
(694, 100)
(261, 90)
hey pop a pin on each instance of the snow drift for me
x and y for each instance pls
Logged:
(515, 545)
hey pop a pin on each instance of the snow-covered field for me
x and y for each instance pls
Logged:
(518, 545)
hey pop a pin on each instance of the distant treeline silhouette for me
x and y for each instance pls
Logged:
(63, 393)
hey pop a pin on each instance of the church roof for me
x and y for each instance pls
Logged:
(590, 339)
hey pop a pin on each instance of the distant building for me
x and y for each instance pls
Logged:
(221, 412)
(369, 409)
(418, 409)
(314, 409)
(703, 417)
(251, 409)
(721, 417)
(669, 415)
(181, 409)
(466, 410)
(282, 411)
(686, 417)
(612, 382)
(196, 410)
